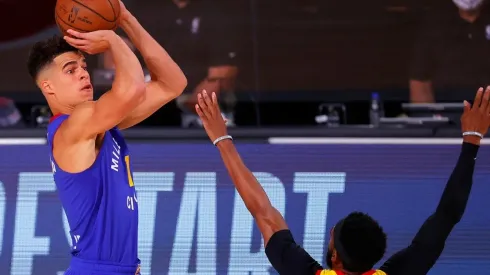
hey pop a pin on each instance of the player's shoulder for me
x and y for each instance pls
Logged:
(287, 257)
(81, 115)
(281, 236)
(73, 127)
(278, 242)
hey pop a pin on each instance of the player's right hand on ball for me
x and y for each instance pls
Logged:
(210, 114)
(476, 117)
(90, 42)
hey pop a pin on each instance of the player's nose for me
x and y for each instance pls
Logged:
(84, 75)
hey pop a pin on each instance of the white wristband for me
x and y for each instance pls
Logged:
(471, 133)
(222, 138)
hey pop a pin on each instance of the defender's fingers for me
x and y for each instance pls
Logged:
(467, 106)
(486, 98)
(199, 112)
(203, 106)
(478, 98)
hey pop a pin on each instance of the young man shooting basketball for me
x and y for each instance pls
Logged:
(357, 242)
(89, 157)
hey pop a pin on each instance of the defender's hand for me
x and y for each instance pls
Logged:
(90, 42)
(476, 118)
(210, 114)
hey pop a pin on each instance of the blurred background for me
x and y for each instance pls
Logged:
(287, 62)
(335, 105)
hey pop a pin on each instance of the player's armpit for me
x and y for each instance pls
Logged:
(95, 117)
(156, 96)
(269, 221)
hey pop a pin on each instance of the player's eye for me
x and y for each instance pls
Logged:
(69, 71)
(85, 68)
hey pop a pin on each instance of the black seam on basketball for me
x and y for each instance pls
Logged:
(112, 21)
(113, 11)
(75, 28)
(119, 13)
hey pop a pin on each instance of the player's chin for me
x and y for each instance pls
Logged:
(88, 92)
(86, 95)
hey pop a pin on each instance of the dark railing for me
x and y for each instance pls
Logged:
(260, 134)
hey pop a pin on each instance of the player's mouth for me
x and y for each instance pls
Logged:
(87, 87)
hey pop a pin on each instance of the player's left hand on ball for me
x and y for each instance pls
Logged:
(210, 114)
(124, 11)
(90, 42)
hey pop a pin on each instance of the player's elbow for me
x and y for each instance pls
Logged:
(179, 85)
(450, 214)
(260, 209)
(182, 84)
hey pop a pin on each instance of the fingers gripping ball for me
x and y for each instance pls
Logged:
(87, 15)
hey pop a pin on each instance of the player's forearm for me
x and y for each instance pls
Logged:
(161, 66)
(129, 75)
(455, 196)
(248, 187)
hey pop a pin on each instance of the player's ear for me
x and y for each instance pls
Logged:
(335, 258)
(46, 86)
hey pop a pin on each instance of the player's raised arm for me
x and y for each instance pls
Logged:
(94, 117)
(267, 217)
(428, 244)
(282, 251)
(167, 79)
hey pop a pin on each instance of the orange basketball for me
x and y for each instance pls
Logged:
(87, 15)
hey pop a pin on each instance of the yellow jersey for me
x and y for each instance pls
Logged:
(333, 272)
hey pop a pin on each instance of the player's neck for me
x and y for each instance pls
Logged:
(350, 273)
(57, 112)
(341, 271)
(57, 109)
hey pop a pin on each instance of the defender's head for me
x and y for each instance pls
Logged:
(357, 243)
(60, 72)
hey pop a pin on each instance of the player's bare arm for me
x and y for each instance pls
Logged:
(77, 135)
(167, 79)
(268, 218)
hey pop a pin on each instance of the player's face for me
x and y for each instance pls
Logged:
(71, 80)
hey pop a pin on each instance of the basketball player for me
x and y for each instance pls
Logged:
(357, 242)
(89, 157)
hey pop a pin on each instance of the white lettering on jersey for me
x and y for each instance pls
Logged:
(130, 201)
(116, 153)
(53, 167)
(76, 239)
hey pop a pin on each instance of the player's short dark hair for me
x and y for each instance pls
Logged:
(44, 52)
(364, 240)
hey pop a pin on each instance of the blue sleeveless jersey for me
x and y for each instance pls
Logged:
(100, 203)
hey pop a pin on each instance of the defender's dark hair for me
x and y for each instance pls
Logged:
(44, 52)
(363, 240)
